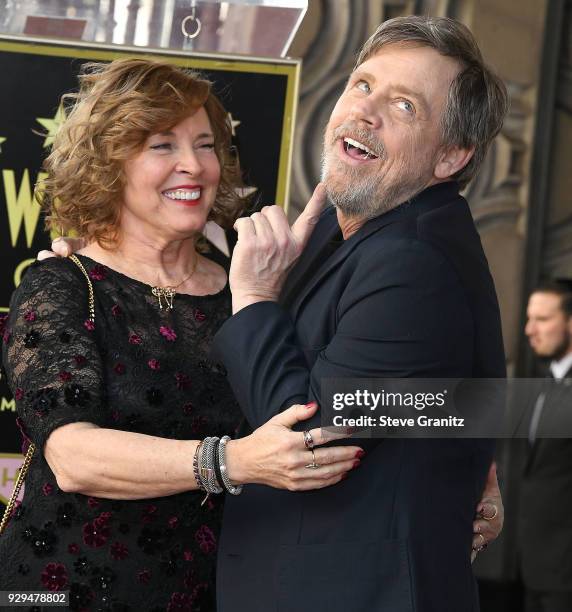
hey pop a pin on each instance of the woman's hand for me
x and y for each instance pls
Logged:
(266, 250)
(276, 456)
(490, 514)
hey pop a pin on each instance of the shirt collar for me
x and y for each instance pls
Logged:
(561, 367)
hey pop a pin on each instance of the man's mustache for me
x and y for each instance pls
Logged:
(355, 130)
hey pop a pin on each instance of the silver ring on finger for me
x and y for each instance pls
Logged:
(483, 544)
(313, 465)
(490, 518)
(308, 440)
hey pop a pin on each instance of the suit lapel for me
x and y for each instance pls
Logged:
(540, 442)
(312, 257)
(312, 269)
(299, 289)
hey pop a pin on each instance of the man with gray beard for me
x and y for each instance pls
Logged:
(393, 283)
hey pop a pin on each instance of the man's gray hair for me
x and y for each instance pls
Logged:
(477, 101)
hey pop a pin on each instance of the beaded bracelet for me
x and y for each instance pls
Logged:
(196, 466)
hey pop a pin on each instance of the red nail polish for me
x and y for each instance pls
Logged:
(311, 405)
(356, 464)
(360, 454)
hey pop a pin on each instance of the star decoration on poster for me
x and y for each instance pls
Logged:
(2, 139)
(243, 192)
(52, 125)
(234, 123)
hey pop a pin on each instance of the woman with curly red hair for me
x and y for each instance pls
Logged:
(108, 356)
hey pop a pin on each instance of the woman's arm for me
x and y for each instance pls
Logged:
(115, 464)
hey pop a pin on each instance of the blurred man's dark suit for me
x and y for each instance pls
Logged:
(545, 505)
(408, 295)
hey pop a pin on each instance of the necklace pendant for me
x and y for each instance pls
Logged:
(165, 294)
(156, 291)
(169, 294)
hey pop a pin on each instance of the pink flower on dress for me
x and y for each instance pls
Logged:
(19, 394)
(173, 522)
(116, 310)
(119, 368)
(149, 513)
(168, 333)
(180, 602)
(134, 339)
(80, 360)
(199, 315)
(92, 502)
(119, 551)
(188, 555)
(47, 489)
(54, 577)
(73, 549)
(30, 316)
(206, 539)
(65, 376)
(183, 381)
(89, 325)
(97, 273)
(6, 336)
(103, 518)
(189, 579)
(188, 408)
(95, 536)
(154, 364)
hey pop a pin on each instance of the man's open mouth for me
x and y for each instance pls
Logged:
(357, 150)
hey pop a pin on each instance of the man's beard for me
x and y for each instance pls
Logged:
(360, 193)
(560, 351)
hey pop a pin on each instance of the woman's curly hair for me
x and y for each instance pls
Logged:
(118, 106)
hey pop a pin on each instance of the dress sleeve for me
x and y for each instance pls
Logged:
(50, 353)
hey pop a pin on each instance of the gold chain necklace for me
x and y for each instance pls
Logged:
(167, 294)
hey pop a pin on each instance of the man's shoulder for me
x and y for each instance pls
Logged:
(403, 256)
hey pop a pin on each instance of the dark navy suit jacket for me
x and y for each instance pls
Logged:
(408, 295)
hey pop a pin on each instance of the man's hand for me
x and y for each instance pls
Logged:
(62, 247)
(490, 514)
(266, 250)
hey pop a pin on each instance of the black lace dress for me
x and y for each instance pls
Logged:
(137, 369)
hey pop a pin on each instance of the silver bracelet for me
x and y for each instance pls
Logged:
(207, 469)
(233, 490)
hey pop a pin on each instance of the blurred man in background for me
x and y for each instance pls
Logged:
(545, 507)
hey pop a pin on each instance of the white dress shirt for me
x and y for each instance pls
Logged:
(561, 367)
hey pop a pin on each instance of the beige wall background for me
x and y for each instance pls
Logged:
(529, 166)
